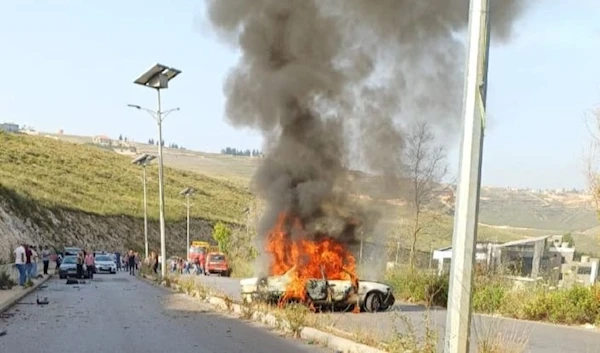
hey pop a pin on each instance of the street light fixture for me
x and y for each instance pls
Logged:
(188, 192)
(158, 77)
(143, 161)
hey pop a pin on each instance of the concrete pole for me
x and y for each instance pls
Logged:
(187, 203)
(458, 316)
(161, 192)
(145, 214)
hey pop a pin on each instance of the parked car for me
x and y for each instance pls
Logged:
(337, 294)
(216, 262)
(105, 263)
(68, 268)
(71, 251)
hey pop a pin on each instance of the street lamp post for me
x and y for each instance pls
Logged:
(158, 77)
(458, 316)
(143, 161)
(188, 192)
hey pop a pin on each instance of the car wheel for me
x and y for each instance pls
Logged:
(373, 302)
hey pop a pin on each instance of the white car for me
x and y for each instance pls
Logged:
(105, 263)
(337, 294)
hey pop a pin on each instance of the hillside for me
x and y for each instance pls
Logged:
(72, 193)
(504, 214)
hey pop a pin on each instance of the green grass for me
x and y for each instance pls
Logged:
(111, 185)
(90, 179)
(439, 233)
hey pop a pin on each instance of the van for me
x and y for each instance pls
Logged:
(71, 251)
(216, 262)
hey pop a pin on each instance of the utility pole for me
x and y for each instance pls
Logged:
(187, 192)
(458, 315)
(145, 214)
(158, 77)
(143, 161)
(161, 192)
(187, 204)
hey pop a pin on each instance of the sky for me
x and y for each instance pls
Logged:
(70, 65)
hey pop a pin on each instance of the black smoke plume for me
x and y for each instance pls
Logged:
(332, 83)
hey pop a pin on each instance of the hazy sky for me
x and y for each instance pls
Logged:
(70, 65)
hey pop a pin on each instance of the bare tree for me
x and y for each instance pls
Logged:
(425, 169)
(592, 168)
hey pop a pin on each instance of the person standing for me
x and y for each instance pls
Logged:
(28, 265)
(118, 260)
(89, 263)
(202, 261)
(131, 263)
(80, 265)
(34, 261)
(46, 259)
(20, 261)
(155, 262)
(137, 260)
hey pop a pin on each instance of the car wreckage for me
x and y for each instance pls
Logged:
(370, 296)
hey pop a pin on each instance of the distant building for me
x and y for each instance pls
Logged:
(526, 258)
(102, 140)
(9, 127)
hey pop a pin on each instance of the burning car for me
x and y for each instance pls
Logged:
(322, 293)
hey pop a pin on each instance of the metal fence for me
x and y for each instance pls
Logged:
(380, 253)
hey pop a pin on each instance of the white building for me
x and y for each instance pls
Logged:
(9, 127)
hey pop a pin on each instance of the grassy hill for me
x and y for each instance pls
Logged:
(111, 185)
(60, 192)
(91, 179)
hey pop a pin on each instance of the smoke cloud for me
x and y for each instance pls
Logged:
(331, 84)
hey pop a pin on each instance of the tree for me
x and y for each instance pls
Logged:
(222, 235)
(425, 168)
(121, 137)
(593, 170)
(568, 238)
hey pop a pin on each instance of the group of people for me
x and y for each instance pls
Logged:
(87, 258)
(181, 266)
(27, 258)
(130, 262)
(26, 261)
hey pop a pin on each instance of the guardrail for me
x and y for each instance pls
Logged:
(12, 271)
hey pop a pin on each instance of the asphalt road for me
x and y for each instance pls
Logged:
(119, 313)
(540, 337)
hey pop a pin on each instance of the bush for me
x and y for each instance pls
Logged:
(5, 281)
(489, 295)
(420, 287)
(577, 305)
(494, 295)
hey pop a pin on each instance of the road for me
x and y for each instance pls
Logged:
(542, 337)
(119, 313)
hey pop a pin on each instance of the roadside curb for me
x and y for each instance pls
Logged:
(7, 305)
(336, 343)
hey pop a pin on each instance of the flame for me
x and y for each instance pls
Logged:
(294, 253)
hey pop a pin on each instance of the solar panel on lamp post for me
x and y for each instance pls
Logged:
(188, 192)
(143, 161)
(158, 77)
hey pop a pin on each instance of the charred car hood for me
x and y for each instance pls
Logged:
(279, 283)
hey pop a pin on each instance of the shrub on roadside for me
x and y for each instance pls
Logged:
(5, 281)
(489, 294)
(576, 305)
(420, 287)
(494, 295)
